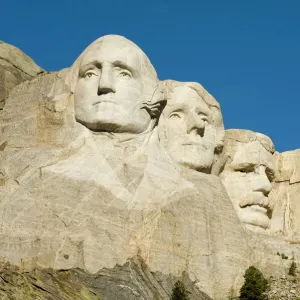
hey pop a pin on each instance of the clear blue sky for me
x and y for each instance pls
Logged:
(244, 52)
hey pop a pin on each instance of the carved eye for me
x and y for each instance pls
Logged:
(123, 73)
(247, 169)
(89, 74)
(204, 119)
(175, 115)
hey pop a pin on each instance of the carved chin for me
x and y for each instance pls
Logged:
(255, 215)
(200, 164)
(114, 121)
(202, 161)
(96, 124)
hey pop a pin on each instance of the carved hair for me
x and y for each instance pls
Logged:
(234, 137)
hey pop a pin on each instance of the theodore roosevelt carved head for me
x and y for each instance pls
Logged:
(248, 170)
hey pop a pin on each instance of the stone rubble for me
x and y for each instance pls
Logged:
(284, 287)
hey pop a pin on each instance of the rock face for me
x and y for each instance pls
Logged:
(15, 67)
(132, 281)
(109, 174)
(83, 206)
(286, 195)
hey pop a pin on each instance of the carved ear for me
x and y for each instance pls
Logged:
(220, 137)
(72, 76)
(157, 102)
(219, 126)
(58, 102)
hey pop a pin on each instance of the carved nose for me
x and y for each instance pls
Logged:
(262, 183)
(196, 125)
(104, 90)
(106, 82)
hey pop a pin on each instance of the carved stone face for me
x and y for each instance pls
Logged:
(190, 137)
(111, 87)
(247, 179)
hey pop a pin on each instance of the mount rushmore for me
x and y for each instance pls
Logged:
(105, 167)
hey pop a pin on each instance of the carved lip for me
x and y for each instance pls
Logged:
(258, 208)
(104, 99)
(261, 201)
(195, 144)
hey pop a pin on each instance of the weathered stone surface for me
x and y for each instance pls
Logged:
(288, 166)
(15, 67)
(286, 195)
(42, 284)
(274, 254)
(132, 281)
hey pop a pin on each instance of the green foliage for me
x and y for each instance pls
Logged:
(255, 285)
(179, 292)
(283, 256)
(293, 268)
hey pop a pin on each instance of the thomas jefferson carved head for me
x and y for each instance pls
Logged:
(191, 126)
(247, 174)
(115, 87)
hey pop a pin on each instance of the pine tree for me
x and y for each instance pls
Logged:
(293, 268)
(255, 285)
(179, 292)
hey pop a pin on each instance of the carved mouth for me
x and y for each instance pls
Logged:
(259, 209)
(200, 145)
(256, 200)
(104, 99)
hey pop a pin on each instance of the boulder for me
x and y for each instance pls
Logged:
(15, 67)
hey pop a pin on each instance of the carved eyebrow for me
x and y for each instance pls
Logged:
(89, 66)
(244, 166)
(176, 111)
(203, 110)
(122, 65)
(177, 106)
(206, 114)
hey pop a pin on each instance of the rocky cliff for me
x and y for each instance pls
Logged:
(15, 67)
(110, 186)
